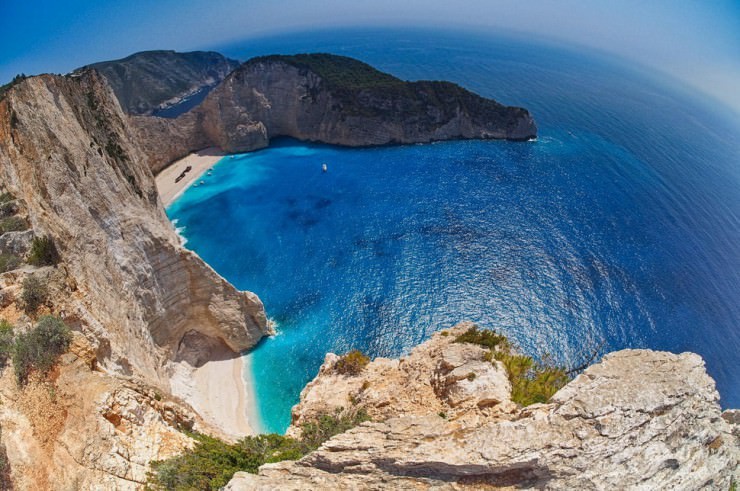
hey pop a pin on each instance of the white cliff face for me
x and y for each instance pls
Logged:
(638, 420)
(148, 308)
(66, 150)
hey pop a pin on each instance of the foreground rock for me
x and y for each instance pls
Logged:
(331, 99)
(86, 429)
(638, 420)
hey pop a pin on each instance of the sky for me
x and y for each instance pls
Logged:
(694, 41)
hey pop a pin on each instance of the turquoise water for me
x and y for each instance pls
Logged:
(619, 225)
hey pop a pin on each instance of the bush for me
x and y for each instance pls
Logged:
(211, 463)
(353, 363)
(39, 348)
(483, 337)
(12, 224)
(34, 295)
(43, 252)
(531, 382)
(9, 262)
(6, 342)
(318, 431)
(5, 197)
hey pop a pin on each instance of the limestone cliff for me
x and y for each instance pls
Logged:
(638, 420)
(331, 99)
(152, 312)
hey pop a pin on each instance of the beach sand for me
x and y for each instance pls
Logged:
(201, 161)
(219, 392)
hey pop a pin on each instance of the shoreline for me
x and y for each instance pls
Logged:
(200, 161)
(220, 393)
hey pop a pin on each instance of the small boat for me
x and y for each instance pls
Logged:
(324, 168)
(231, 157)
(202, 182)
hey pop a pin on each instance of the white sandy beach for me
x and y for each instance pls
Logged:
(200, 162)
(218, 391)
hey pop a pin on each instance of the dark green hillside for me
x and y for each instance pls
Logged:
(150, 80)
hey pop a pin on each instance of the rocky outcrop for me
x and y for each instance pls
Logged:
(154, 80)
(67, 152)
(638, 420)
(330, 99)
(87, 430)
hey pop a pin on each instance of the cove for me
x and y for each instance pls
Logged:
(618, 225)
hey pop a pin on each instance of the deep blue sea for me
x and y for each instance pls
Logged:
(619, 225)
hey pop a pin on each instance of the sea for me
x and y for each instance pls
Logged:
(618, 227)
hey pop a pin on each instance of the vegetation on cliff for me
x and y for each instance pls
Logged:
(365, 91)
(339, 72)
(531, 381)
(43, 252)
(5, 88)
(211, 463)
(352, 363)
(36, 350)
(34, 294)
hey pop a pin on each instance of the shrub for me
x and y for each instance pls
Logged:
(12, 224)
(9, 262)
(6, 342)
(318, 431)
(483, 337)
(43, 252)
(34, 294)
(39, 348)
(353, 363)
(5, 197)
(531, 382)
(211, 463)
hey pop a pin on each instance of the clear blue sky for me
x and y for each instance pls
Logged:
(695, 41)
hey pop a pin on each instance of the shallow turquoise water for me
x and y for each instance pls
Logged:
(619, 224)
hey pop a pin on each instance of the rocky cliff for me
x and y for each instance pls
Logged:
(444, 420)
(154, 80)
(331, 99)
(150, 311)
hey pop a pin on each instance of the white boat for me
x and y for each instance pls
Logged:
(324, 168)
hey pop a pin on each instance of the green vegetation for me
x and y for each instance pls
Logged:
(6, 342)
(12, 224)
(34, 294)
(531, 382)
(9, 85)
(339, 72)
(211, 463)
(353, 363)
(483, 337)
(5, 197)
(9, 262)
(38, 349)
(43, 252)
